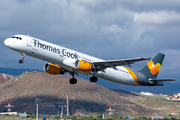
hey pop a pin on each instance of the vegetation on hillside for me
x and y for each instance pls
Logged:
(31, 116)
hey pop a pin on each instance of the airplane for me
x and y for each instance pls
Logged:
(63, 60)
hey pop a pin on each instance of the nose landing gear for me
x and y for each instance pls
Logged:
(22, 58)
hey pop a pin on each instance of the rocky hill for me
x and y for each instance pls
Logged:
(5, 78)
(85, 98)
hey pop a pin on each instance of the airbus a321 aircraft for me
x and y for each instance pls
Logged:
(63, 60)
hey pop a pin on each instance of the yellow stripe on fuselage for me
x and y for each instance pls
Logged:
(133, 75)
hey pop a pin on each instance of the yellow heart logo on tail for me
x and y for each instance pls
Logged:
(153, 68)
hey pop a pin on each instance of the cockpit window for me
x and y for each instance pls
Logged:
(17, 37)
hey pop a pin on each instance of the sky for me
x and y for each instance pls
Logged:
(107, 29)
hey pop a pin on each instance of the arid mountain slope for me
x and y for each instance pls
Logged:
(85, 98)
(4, 78)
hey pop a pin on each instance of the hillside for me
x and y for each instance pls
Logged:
(16, 71)
(5, 78)
(169, 87)
(85, 98)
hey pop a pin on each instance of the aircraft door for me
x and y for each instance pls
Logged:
(29, 41)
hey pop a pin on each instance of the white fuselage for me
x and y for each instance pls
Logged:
(57, 55)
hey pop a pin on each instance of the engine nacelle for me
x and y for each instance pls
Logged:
(83, 65)
(52, 69)
(78, 64)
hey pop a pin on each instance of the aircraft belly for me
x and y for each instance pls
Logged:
(120, 76)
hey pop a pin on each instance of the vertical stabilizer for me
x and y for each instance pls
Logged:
(153, 66)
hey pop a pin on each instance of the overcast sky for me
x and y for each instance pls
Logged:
(108, 29)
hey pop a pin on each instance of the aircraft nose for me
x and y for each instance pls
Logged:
(7, 42)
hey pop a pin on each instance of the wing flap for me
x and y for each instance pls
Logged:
(113, 63)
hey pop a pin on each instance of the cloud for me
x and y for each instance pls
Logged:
(146, 6)
(157, 18)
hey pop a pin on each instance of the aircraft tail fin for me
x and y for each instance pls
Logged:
(153, 67)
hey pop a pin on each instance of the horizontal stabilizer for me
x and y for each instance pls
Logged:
(162, 80)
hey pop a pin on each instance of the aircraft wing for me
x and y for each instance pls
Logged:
(162, 80)
(114, 63)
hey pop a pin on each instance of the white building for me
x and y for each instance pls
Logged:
(146, 93)
(10, 113)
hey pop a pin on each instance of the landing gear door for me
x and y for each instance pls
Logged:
(29, 41)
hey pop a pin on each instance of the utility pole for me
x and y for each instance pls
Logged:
(37, 111)
(37, 100)
(110, 110)
(173, 112)
(67, 106)
(61, 110)
(9, 105)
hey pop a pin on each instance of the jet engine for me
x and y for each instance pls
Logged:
(53, 69)
(78, 64)
(83, 65)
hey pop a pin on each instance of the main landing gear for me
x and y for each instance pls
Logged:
(74, 80)
(93, 79)
(22, 58)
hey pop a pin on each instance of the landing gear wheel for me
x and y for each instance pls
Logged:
(93, 79)
(21, 61)
(73, 81)
(22, 58)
